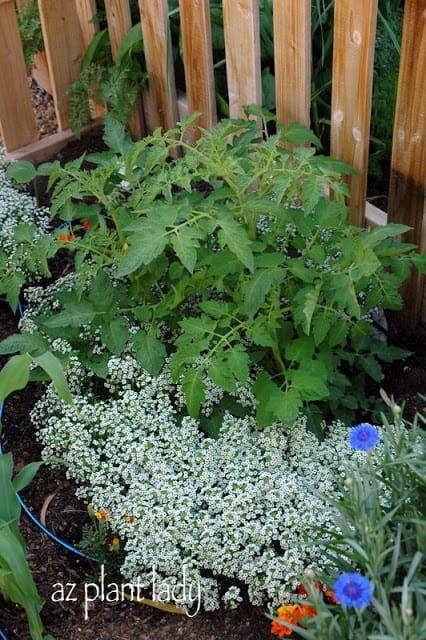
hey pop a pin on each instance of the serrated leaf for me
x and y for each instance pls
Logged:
(115, 334)
(75, 315)
(53, 367)
(14, 375)
(144, 248)
(185, 245)
(288, 407)
(345, 295)
(101, 291)
(306, 301)
(116, 136)
(150, 352)
(213, 308)
(309, 386)
(312, 191)
(194, 390)
(260, 333)
(220, 375)
(299, 349)
(25, 232)
(257, 288)
(234, 236)
(375, 236)
(320, 328)
(238, 361)
(298, 134)
(272, 401)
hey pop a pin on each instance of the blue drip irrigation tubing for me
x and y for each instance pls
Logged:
(33, 518)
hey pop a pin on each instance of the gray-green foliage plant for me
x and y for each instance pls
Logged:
(234, 248)
(16, 580)
(381, 533)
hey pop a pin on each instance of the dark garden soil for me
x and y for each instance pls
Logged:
(51, 495)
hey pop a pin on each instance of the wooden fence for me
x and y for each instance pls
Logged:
(67, 30)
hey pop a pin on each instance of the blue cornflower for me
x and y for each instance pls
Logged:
(364, 436)
(353, 590)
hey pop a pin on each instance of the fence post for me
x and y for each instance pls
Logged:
(198, 61)
(407, 193)
(64, 49)
(17, 121)
(242, 45)
(160, 101)
(119, 22)
(353, 60)
(292, 47)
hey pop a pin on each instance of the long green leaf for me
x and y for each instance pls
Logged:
(14, 375)
(54, 369)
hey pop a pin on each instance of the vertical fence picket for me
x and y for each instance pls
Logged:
(198, 61)
(119, 21)
(160, 105)
(353, 59)
(64, 49)
(86, 10)
(407, 194)
(292, 51)
(242, 46)
(17, 121)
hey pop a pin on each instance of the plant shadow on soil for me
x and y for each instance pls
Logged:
(65, 516)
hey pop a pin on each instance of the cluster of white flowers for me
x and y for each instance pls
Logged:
(16, 208)
(241, 509)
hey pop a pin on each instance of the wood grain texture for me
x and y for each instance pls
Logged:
(64, 49)
(119, 21)
(161, 101)
(292, 50)
(86, 11)
(198, 62)
(407, 193)
(242, 46)
(17, 121)
(353, 59)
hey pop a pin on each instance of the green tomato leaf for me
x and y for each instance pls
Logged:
(149, 351)
(185, 245)
(194, 390)
(221, 375)
(234, 236)
(306, 301)
(75, 315)
(258, 286)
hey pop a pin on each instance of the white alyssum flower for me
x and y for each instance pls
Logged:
(17, 208)
(238, 510)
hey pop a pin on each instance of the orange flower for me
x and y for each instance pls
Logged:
(62, 238)
(303, 591)
(129, 519)
(102, 514)
(86, 225)
(331, 596)
(292, 613)
(115, 543)
(70, 236)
